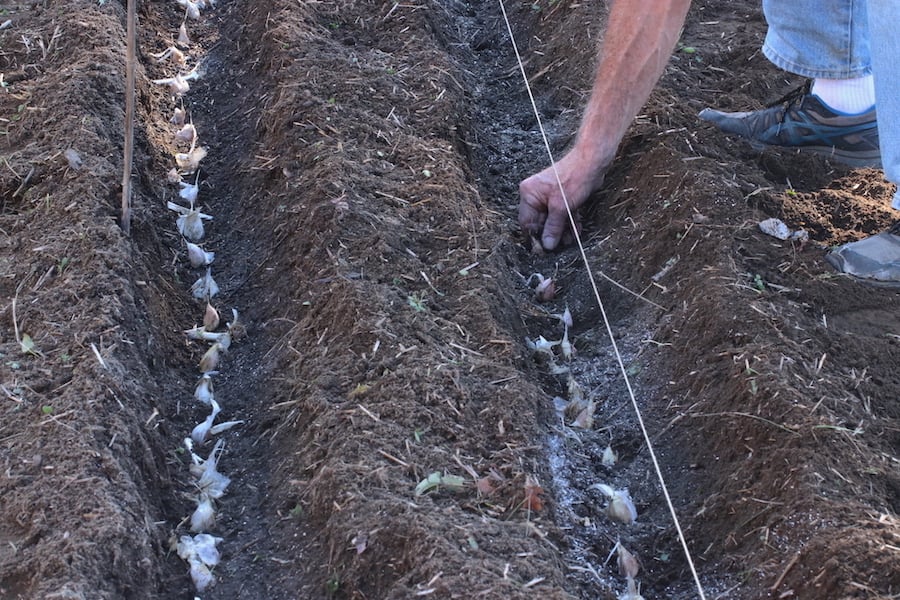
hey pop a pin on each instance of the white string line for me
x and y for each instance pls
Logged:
(587, 266)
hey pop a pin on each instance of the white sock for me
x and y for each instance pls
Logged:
(849, 96)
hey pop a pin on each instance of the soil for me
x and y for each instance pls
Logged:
(362, 170)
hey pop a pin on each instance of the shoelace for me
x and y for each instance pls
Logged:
(793, 96)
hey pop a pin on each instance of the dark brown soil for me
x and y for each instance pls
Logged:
(362, 172)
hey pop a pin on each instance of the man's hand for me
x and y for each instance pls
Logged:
(542, 211)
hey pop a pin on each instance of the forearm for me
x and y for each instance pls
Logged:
(639, 40)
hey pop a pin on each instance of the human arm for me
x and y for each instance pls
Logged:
(639, 39)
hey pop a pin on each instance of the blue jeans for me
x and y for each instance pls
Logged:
(841, 39)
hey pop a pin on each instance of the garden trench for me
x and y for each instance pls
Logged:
(362, 170)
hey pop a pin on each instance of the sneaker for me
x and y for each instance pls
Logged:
(875, 259)
(802, 120)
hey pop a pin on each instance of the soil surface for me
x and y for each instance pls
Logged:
(400, 436)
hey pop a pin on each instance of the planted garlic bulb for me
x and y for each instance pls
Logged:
(200, 333)
(627, 563)
(197, 256)
(205, 287)
(541, 345)
(189, 192)
(173, 176)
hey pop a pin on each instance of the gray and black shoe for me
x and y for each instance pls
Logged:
(802, 120)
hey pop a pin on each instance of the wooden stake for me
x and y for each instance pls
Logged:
(129, 117)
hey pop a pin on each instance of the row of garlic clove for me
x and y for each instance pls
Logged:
(199, 551)
(579, 410)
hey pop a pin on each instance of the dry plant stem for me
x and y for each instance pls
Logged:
(129, 119)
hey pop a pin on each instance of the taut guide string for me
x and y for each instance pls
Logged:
(609, 331)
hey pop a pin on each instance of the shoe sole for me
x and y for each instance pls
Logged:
(845, 157)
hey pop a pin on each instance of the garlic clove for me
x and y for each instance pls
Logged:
(610, 457)
(585, 418)
(173, 176)
(179, 116)
(189, 192)
(210, 360)
(204, 516)
(205, 547)
(221, 427)
(545, 290)
(183, 38)
(211, 318)
(199, 257)
(204, 391)
(627, 563)
(190, 161)
(201, 432)
(201, 575)
(188, 133)
(205, 287)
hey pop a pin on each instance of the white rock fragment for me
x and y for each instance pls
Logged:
(778, 229)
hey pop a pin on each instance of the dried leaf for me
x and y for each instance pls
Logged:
(533, 493)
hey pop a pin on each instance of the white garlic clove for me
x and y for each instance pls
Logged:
(179, 116)
(627, 563)
(204, 516)
(585, 418)
(199, 257)
(178, 84)
(173, 176)
(621, 507)
(217, 429)
(189, 192)
(545, 290)
(210, 360)
(211, 318)
(205, 547)
(190, 161)
(204, 391)
(183, 38)
(201, 432)
(201, 575)
(205, 287)
(610, 458)
(188, 133)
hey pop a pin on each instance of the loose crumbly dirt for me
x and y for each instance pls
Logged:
(362, 172)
